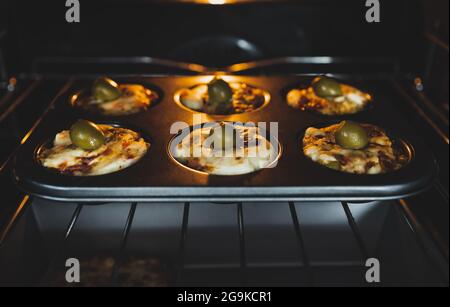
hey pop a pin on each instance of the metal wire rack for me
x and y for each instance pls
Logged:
(309, 269)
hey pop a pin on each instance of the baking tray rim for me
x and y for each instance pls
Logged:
(215, 194)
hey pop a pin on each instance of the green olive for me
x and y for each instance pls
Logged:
(333, 165)
(105, 90)
(220, 95)
(224, 136)
(326, 87)
(87, 135)
(351, 135)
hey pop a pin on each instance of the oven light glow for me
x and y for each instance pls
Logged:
(205, 79)
(214, 2)
(217, 2)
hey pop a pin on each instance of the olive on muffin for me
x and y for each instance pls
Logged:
(87, 149)
(219, 97)
(328, 96)
(353, 148)
(109, 98)
(225, 149)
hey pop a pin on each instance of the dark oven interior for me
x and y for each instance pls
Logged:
(283, 243)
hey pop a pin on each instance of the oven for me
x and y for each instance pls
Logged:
(212, 241)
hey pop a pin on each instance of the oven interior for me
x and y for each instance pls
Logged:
(234, 244)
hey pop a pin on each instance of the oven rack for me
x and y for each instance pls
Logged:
(306, 268)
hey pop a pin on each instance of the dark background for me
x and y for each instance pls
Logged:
(167, 29)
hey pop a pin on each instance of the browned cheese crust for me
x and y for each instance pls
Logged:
(352, 101)
(380, 156)
(246, 98)
(134, 99)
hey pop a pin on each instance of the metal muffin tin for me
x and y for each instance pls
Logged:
(158, 178)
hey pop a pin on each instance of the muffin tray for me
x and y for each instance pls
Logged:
(158, 178)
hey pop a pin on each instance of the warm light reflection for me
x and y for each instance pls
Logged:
(241, 66)
(208, 78)
(26, 137)
(215, 2)
(196, 67)
(74, 99)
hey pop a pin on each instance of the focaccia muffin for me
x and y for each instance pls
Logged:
(222, 98)
(328, 97)
(108, 98)
(210, 152)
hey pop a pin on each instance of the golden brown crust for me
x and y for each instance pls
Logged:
(246, 98)
(380, 156)
(255, 152)
(306, 99)
(134, 99)
(122, 148)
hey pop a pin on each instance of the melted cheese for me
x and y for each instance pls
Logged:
(378, 157)
(122, 149)
(135, 98)
(352, 101)
(259, 153)
(246, 98)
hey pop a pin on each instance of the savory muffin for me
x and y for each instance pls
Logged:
(111, 99)
(353, 148)
(221, 98)
(91, 150)
(225, 149)
(329, 97)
